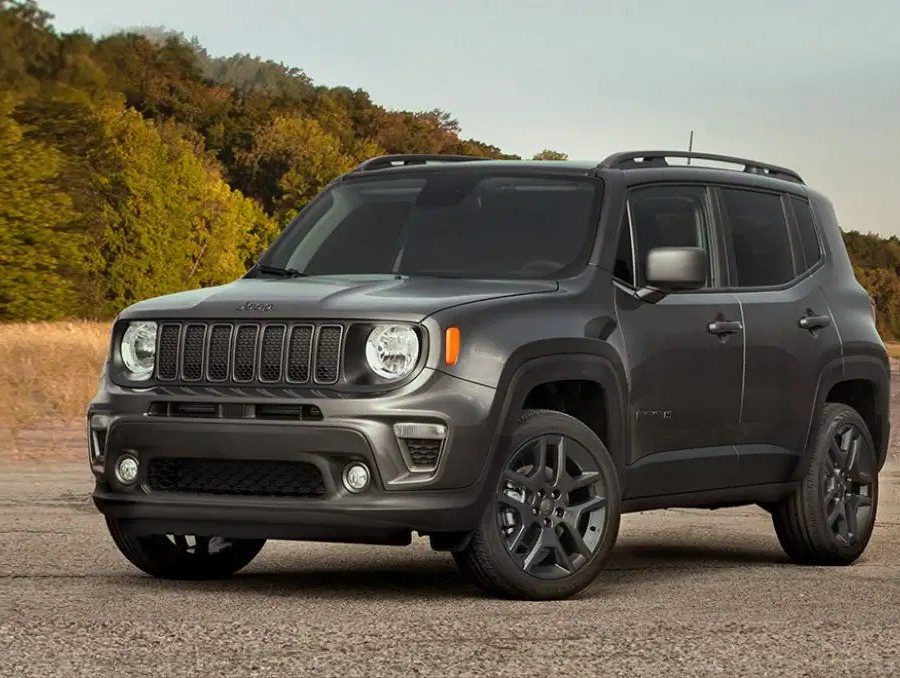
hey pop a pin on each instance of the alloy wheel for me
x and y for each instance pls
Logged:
(551, 506)
(847, 476)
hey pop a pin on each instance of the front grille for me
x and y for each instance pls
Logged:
(423, 452)
(249, 353)
(234, 477)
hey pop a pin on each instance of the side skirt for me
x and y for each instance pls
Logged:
(729, 496)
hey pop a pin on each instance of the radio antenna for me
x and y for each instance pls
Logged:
(690, 146)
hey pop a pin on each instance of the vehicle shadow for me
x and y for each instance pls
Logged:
(426, 574)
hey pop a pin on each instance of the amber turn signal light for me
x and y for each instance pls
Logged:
(451, 345)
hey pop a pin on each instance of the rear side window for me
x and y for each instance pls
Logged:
(669, 216)
(809, 239)
(759, 238)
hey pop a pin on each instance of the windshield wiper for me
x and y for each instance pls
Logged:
(283, 272)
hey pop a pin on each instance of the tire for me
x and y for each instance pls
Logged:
(829, 518)
(174, 557)
(545, 534)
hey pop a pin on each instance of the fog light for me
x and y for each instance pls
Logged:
(356, 477)
(126, 469)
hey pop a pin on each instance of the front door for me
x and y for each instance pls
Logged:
(684, 354)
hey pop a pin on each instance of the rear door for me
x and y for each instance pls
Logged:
(774, 261)
(684, 353)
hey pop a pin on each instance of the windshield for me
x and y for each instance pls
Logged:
(465, 224)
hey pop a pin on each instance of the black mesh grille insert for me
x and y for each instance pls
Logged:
(328, 354)
(235, 477)
(192, 355)
(253, 352)
(423, 452)
(167, 359)
(245, 352)
(299, 353)
(270, 355)
(219, 352)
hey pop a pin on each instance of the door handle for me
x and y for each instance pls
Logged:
(723, 327)
(814, 322)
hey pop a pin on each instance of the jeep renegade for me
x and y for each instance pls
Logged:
(504, 356)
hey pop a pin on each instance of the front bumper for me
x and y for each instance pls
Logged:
(396, 502)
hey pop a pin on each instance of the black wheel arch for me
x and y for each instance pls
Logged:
(560, 360)
(862, 382)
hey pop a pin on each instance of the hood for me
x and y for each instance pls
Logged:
(384, 298)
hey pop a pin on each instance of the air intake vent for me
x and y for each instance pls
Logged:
(233, 477)
(328, 354)
(167, 353)
(245, 352)
(270, 356)
(192, 357)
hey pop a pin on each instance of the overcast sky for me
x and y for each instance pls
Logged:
(813, 85)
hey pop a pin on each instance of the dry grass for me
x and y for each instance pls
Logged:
(892, 349)
(49, 370)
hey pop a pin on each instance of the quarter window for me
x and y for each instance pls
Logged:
(759, 238)
(669, 216)
(809, 241)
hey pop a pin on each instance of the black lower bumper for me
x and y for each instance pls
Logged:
(376, 515)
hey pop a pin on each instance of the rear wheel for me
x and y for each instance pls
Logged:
(554, 515)
(829, 518)
(179, 556)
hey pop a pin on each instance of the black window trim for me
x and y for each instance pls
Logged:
(717, 263)
(796, 255)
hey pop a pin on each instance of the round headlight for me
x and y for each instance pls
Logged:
(392, 351)
(139, 349)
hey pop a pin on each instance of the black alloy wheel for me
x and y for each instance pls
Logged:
(551, 506)
(847, 476)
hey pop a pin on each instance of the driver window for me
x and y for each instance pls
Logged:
(668, 216)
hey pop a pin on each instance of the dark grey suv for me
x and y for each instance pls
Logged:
(505, 357)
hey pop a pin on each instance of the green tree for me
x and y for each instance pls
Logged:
(548, 154)
(37, 247)
(290, 160)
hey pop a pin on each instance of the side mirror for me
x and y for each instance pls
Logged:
(672, 269)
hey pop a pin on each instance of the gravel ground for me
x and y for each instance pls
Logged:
(687, 592)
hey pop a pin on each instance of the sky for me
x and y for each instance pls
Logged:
(811, 85)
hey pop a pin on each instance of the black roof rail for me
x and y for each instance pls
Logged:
(638, 159)
(406, 159)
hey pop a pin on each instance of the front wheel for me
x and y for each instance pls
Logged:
(554, 515)
(179, 556)
(829, 518)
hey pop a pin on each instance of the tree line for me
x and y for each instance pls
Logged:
(136, 164)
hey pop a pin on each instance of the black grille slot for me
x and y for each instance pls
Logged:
(328, 353)
(245, 352)
(271, 353)
(299, 351)
(167, 355)
(235, 477)
(219, 352)
(423, 452)
(192, 355)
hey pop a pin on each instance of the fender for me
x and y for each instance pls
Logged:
(868, 368)
(555, 360)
